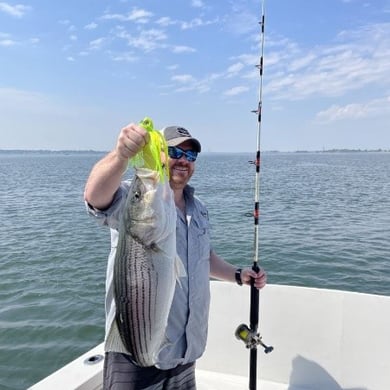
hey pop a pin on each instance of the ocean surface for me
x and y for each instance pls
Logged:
(325, 222)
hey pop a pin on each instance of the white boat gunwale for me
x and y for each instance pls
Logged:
(324, 339)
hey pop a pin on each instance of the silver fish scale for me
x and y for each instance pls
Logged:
(135, 283)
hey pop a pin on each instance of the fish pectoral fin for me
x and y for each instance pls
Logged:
(179, 269)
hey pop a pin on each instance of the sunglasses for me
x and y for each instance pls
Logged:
(176, 153)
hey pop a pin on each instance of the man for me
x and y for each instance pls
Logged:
(105, 195)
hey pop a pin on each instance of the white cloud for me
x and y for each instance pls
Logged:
(140, 15)
(146, 40)
(91, 26)
(96, 44)
(7, 42)
(182, 49)
(355, 60)
(188, 83)
(244, 22)
(234, 69)
(236, 90)
(355, 110)
(183, 78)
(248, 59)
(197, 22)
(166, 21)
(302, 62)
(197, 3)
(173, 67)
(137, 15)
(125, 57)
(18, 10)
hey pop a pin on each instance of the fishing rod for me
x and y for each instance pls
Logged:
(250, 335)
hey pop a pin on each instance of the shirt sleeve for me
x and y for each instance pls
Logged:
(111, 216)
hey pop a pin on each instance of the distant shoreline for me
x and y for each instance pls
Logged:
(46, 151)
(66, 152)
(343, 151)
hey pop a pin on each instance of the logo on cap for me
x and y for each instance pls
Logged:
(184, 132)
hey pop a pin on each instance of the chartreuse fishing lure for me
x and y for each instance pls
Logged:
(154, 155)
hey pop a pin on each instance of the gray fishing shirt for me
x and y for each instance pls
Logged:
(188, 318)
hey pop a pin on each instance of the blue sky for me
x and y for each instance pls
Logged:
(72, 73)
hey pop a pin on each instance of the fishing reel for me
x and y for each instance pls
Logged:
(251, 339)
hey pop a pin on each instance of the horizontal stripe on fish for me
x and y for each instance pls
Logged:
(145, 269)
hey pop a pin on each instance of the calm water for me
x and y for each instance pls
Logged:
(325, 220)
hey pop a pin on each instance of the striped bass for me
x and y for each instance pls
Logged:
(146, 266)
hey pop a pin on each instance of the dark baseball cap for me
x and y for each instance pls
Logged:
(176, 135)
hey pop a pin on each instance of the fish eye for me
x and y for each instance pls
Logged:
(137, 195)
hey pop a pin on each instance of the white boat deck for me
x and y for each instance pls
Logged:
(206, 380)
(323, 340)
(81, 375)
(209, 380)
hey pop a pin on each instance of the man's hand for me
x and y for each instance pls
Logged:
(260, 278)
(131, 140)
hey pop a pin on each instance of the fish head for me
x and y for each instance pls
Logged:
(150, 213)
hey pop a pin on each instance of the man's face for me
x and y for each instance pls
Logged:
(181, 169)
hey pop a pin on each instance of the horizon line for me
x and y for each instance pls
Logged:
(2, 150)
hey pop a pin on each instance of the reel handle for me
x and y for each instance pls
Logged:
(251, 339)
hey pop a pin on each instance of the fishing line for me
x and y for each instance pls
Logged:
(249, 335)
